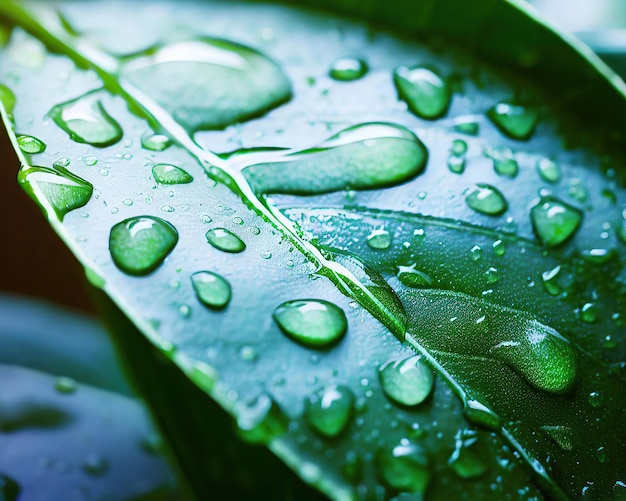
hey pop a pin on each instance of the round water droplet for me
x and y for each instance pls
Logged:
(589, 313)
(379, 239)
(170, 174)
(347, 69)
(499, 248)
(86, 121)
(404, 467)
(56, 189)
(459, 148)
(312, 322)
(139, 245)
(487, 200)
(211, 289)
(155, 142)
(426, 94)
(456, 165)
(554, 221)
(493, 275)
(330, 410)
(513, 119)
(407, 381)
(65, 385)
(30, 144)
(90, 160)
(548, 171)
(410, 277)
(507, 167)
(225, 240)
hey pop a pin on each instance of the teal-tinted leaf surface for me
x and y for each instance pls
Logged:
(343, 196)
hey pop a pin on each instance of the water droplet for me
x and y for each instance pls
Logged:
(167, 208)
(487, 200)
(381, 154)
(155, 142)
(128, 202)
(601, 454)
(249, 354)
(9, 489)
(465, 126)
(329, 410)
(410, 277)
(211, 289)
(499, 248)
(65, 385)
(550, 281)
(404, 466)
(312, 322)
(170, 174)
(218, 82)
(347, 69)
(95, 465)
(262, 421)
(554, 221)
(379, 239)
(548, 171)
(465, 461)
(86, 121)
(30, 144)
(459, 148)
(426, 94)
(406, 381)
(139, 244)
(595, 399)
(476, 253)
(589, 313)
(513, 119)
(578, 191)
(206, 219)
(456, 165)
(493, 275)
(90, 160)
(225, 240)
(184, 311)
(504, 162)
(56, 189)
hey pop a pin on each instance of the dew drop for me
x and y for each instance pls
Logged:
(476, 253)
(404, 466)
(329, 410)
(459, 148)
(139, 245)
(514, 120)
(487, 200)
(499, 248)
(465, 461)
(589, 313)
(30, 144)
(225, 240)
(548, 171)
(347, 69)
(406, 381)
(426, 94)
(95, 465)
(456, 165)
(155, 142)
(65, 385)
(554, 221)
(410, 277)
(86, 121)
(314, 323)
(212, 289)
(170, 174)
(550, 281)
(379, 239)
(90, 160)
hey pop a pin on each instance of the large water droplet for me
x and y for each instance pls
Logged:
(513, 119)
(424, 91)
(407, 381)
(86, 121)
(170, 174)
(404, 467)
(211, 289)
(366, 156)
(139, 244)
(225, 240)
(30, 144)
(209, 83)
(312, 322)
(9, 489)
(487, 200)
(330, 409)
(347, 69)
(554, 221)
(56, 189)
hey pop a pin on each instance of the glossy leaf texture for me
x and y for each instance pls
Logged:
(408, 281)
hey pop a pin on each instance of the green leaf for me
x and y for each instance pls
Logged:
(389, 301)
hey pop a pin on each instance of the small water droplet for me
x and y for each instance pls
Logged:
(30, 144)
(487, 200)
(379, 239)
(595, 399)
(249, 354)
(184, 311)
(410, 277)
(404, 466)
(456, 165)
(95, 465)
(212, 289)
(426, 94)
(554, 221)
(128, 202)
(499, 248)
(406, 381)
(550, 281)
(465, 126)
(504, 162)
(548, 171)
(578, 191)
(589, 313)
(312, 322)
(225, 240)
(513, 119)
(155, 142)
(601, 454)
(329, 410)
(459, 148)
(167, 208)
(493, 275)
(62, 162)
(170, 174)
(266, 254)
(476, 253)
(138, 245)
(65, 385)
(347, 69)
(206, 219)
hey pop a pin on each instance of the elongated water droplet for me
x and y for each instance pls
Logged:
(9, 489)
(513, 119)
(380, 154)
(550, 281)
(86, 121)
(170, 174)
(209, 83)
(312, 322)
(554, 221)
(262, 421)
(404, 466)
(225, 240)
(155, 142)
(347, 69)
(499, 248)
(56, 189)
(212, 289)
(548, 171)
(407, 381)
(139, 244)
(487, 200)
(426, 94)
(379, 239)
(30, 144)
(329, 410)
(65, 385)
(410, 277)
